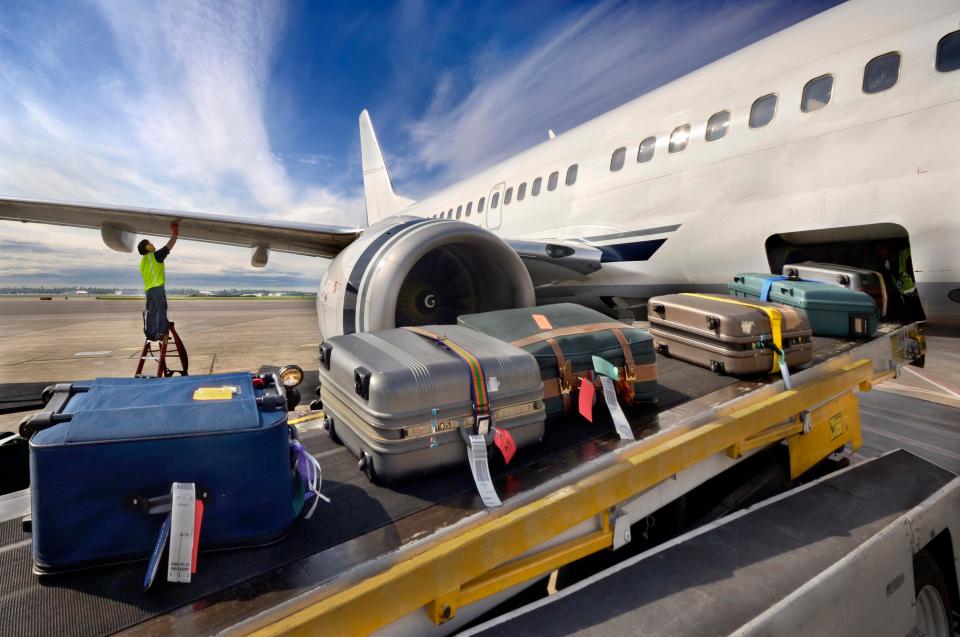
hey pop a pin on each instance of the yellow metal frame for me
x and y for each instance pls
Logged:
(470, 565)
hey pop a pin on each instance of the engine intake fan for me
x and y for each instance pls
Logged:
(415, 271)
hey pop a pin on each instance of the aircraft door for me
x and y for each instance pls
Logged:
(495, 206)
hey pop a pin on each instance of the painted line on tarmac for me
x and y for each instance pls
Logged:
(932, 382)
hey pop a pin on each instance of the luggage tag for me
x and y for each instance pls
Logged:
(480, 468)
(505, 443)
(585, 399)
(619, 419)
(605, 368)
(542, 321)
(154, 563)
(197, 523)
(214, 393)
(182, 520)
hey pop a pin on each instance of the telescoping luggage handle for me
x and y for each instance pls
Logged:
(483, 429)
(776, 321)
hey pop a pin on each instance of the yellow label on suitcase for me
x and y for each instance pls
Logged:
(214, 393)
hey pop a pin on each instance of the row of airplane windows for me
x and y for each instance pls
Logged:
(880, 74)
(535, 188)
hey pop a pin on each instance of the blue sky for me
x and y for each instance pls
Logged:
(251, 108)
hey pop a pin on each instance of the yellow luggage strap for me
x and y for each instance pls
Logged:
(776, 322)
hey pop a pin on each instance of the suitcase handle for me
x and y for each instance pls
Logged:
(158, 505)
(324, 356)
(713, 322)
(361, 381)
(658, 308)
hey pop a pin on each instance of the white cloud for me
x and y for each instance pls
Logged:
(600, 59)
(169, 113)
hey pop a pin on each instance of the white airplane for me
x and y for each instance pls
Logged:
(825, 140)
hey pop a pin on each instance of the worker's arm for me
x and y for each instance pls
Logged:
(175, 232)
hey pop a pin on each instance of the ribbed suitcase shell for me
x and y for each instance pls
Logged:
(844, 276)
(726, 337)
(131, 438)
(832, 310)
(412, 382)
(579, 348)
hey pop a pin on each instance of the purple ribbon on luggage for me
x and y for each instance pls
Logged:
(309, 471)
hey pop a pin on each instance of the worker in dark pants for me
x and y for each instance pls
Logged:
(155, 322)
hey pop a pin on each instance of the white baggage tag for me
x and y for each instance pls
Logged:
(785, 373)
(619, 420)
(181, 532)
(477, 452)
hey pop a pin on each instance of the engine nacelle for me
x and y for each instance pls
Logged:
(417, 271)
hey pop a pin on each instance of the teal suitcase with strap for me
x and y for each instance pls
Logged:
(832, 310)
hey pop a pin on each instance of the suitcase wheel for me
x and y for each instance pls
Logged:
(662, 348)
(365, 463)
(717, 367)
(328, 426)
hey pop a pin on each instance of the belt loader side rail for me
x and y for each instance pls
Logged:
(487, 556)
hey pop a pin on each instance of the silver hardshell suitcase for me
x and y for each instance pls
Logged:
(402, 403)
(844, 276)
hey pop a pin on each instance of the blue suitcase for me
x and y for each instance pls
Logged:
(832, 310)
(107, 452)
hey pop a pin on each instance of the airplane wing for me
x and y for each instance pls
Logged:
(119, 227)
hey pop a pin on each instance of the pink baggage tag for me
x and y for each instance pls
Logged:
(197, 523)
(505, 444)
(586, 399)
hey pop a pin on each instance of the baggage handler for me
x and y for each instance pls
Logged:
(152, 270)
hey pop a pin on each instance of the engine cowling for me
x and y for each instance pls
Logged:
(417, 271)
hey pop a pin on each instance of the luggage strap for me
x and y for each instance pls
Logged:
(768, 283)
(482, 417)
(565, 383)
(776, 321)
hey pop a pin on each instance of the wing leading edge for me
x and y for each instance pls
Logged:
(119, 227)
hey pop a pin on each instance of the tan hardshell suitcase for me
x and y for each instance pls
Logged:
(729, 335)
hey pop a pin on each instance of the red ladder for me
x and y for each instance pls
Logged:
(165, 352)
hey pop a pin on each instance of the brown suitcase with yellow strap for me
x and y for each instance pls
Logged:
(565, 338)
(730, 335)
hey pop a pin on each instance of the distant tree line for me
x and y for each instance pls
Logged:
(59, 290)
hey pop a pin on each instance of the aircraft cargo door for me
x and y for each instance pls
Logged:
(495, 206)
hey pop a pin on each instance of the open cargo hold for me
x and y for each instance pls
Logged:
(564, 338)
(832, 310)
(844, 276)
(404, 405)
(729, 335)
(107, 452)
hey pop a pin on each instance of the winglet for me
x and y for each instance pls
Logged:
(381, 199)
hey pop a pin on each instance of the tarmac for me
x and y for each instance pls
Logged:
(62, 340)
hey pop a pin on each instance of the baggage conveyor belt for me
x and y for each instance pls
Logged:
(717, 579)
(362, 522)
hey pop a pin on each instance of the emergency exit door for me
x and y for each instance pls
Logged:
(495, 206)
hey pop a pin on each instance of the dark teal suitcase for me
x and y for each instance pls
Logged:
(564, 338)
(832, 310)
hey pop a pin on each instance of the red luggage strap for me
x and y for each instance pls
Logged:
(482, 417)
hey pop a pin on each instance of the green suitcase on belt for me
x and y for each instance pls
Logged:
(832, 310)
(564, 338)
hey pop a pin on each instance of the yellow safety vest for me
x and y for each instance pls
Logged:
(152, 271)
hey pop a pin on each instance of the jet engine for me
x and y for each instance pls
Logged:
(417, 271)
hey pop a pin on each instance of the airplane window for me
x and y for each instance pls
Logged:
(535, 189)
(495, 200)
(679, 138)
(948, 52)
(469, 209)
(508, 196)
(482, 201)
(521, 191)
(881, 72)
(571, 175)
(552, 181)
(616, 160)
(763, 110)
(817, 93)
(450, 214)
(459, 210)
(717, 126)
(645, 152)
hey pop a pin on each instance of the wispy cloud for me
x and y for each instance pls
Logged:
(600, 59)
(166, 109)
